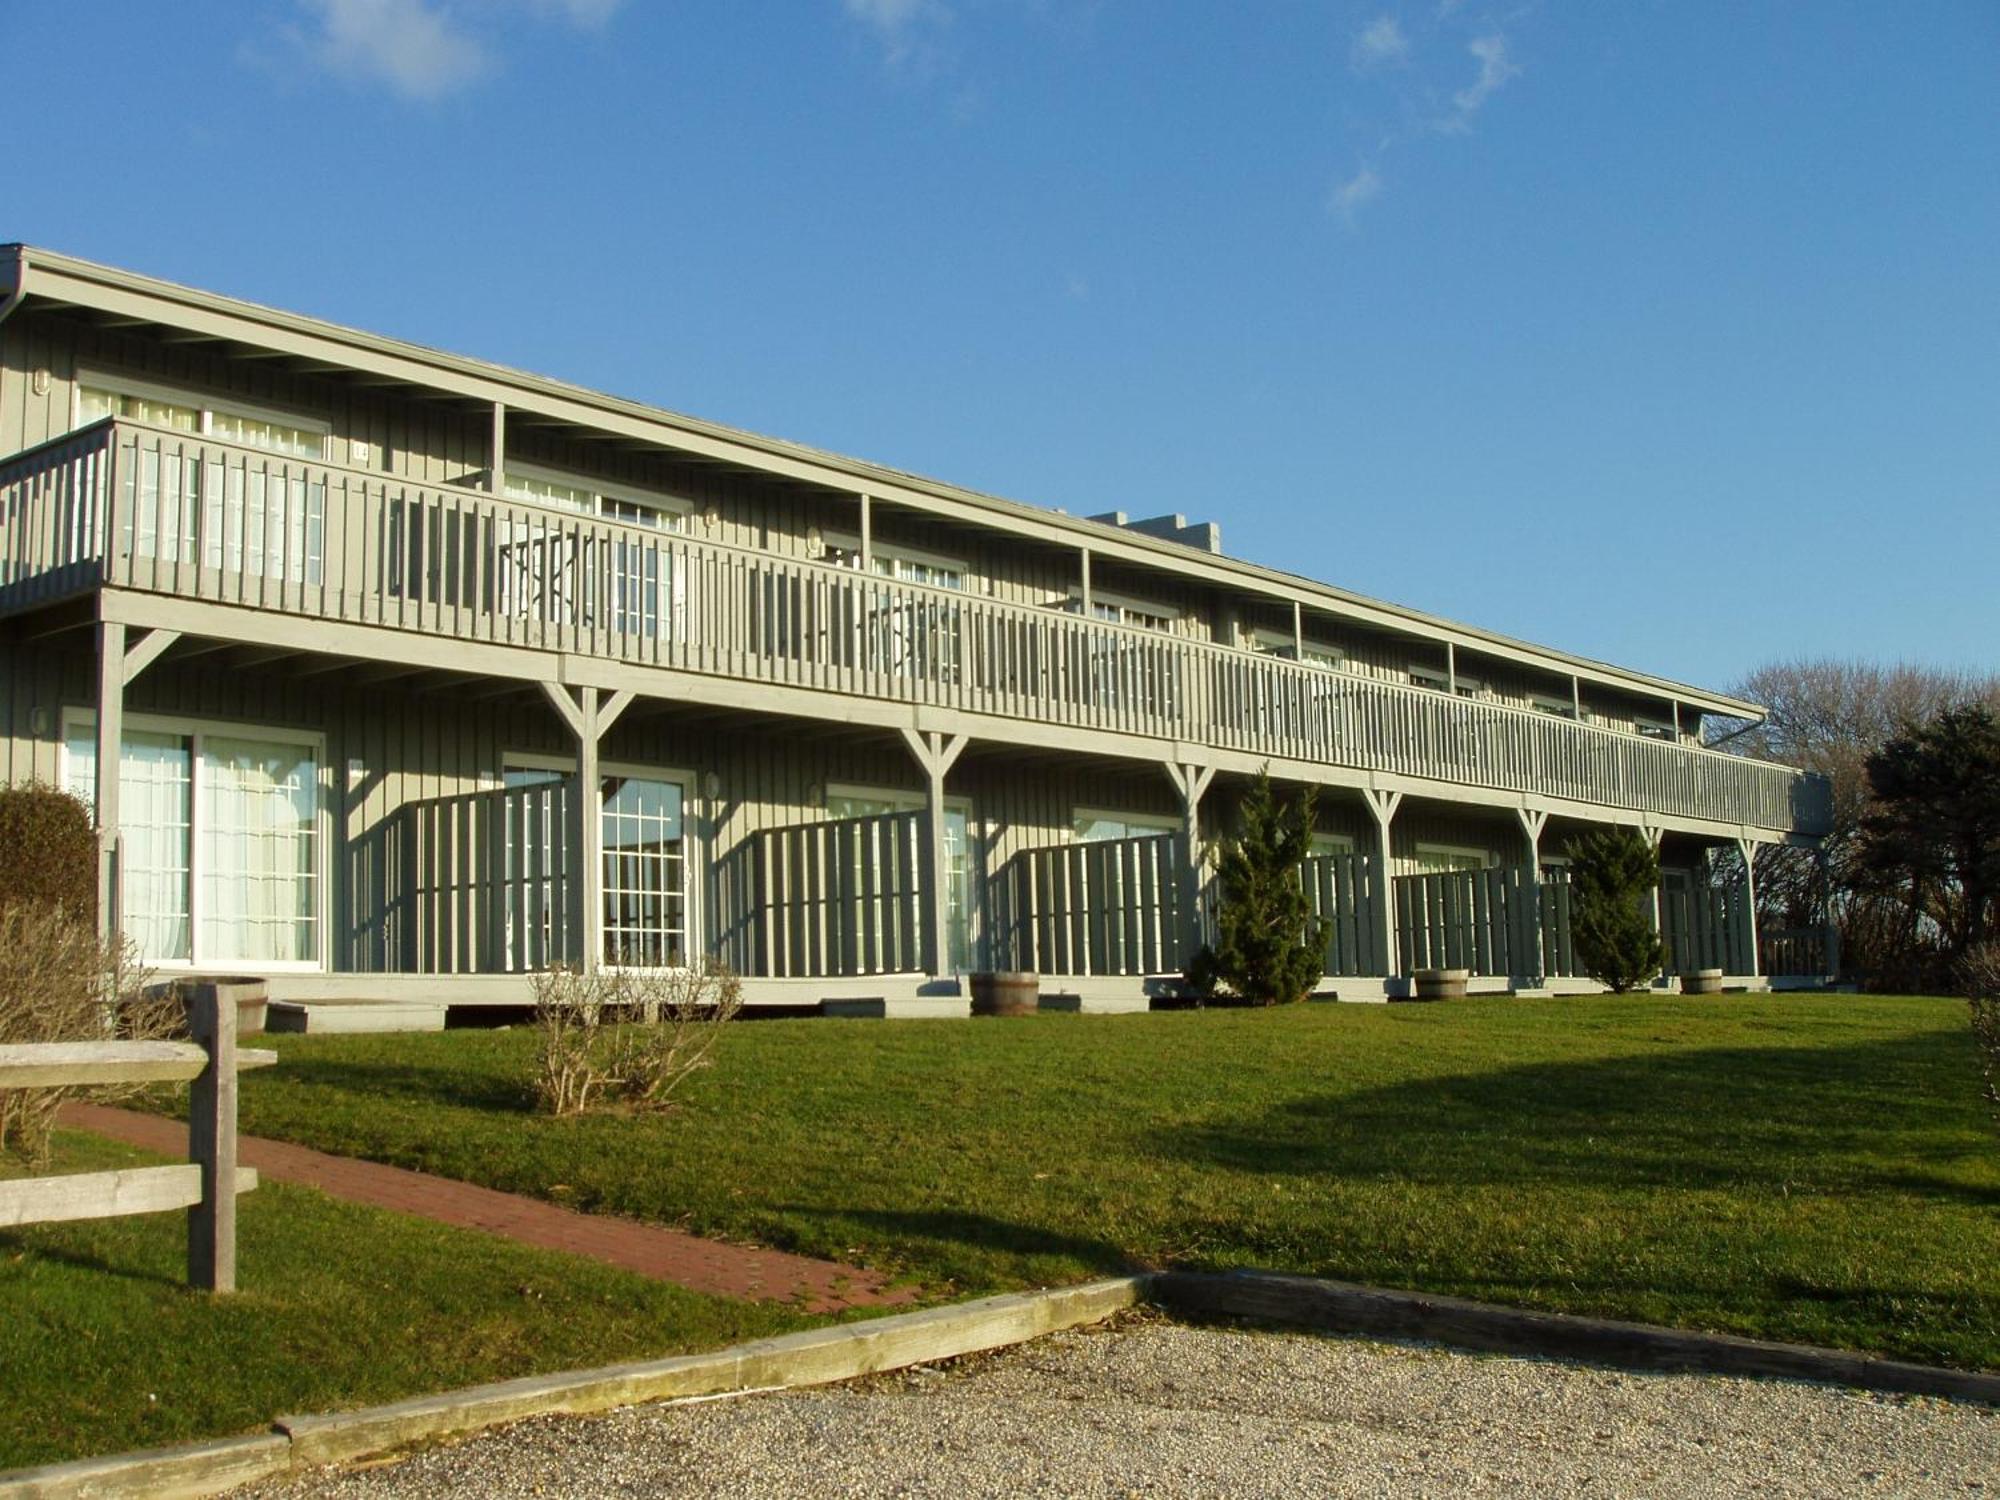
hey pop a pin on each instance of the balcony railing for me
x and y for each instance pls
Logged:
(201, 519)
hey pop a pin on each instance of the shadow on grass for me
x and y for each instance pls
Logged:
(421, 1083)
(982, 1232)
(1862, 1118)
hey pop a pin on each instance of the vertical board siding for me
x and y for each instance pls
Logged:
(1345, 892)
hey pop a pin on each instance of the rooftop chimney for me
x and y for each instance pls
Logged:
(1203, 536)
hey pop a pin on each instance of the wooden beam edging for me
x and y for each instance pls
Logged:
(1343, 1307)
(845, 1351)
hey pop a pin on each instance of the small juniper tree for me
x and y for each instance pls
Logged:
(1269, 948)
(1612, 874)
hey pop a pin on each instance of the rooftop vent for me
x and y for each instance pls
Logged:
(1203, 536)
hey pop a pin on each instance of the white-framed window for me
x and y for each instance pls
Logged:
(225, 419)
(1654, 729)
(632, 504)
(221, 838)
(894, 560)
(1439, 859)
(1096, 825)
(1313, 653)
(1322, 844)
(1121, 609)
(846, 801)
(1443, 682)
(1549, 703)
(647, 917)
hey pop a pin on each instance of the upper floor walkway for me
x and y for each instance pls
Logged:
(126, 506)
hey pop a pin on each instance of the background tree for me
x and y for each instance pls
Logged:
(1829, 716)
(1269, 948)
(1612, 874)
(1932, 835)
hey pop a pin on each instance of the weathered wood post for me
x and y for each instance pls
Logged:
(935, 755)
(1747, 846)
(1529, 927)
(1190, 782)
(212, 1140)
(1382, 807)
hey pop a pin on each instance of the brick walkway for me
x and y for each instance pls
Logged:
(700, 1265)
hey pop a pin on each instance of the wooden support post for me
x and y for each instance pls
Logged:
(587, 721)
(1451, 667)
(496, 452)
(867, 536)
(1576, 697)
(1083, 606)
(1190, 782)
(1298, 632)
(110, 741)
(1747, 846)
(1382, 806)
(212, 1140)
(1533, 822)
(935, 756)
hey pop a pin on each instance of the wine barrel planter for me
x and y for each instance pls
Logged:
(1442, 984)
(1006, 994)
(250, 996)
(1701, 982)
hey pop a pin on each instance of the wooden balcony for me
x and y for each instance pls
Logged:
(128, 506)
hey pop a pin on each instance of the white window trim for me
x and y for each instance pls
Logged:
(1157, 822)
(1435, 678)
(604, 489)
(1329, 843)
(1280, 643)
(323, 827)
(1099, 596)
(902, 799)
(1486, 857)
(200, 401)
(1554, 707)
(1655, 729)
(849, 541)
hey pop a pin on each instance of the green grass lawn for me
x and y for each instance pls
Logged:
(1815, 1168)
(104, 1348)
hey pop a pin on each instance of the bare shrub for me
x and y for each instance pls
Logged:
(629, 1037)
(60, 983)
(683, 1012)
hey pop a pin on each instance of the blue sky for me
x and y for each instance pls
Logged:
(1668, 333)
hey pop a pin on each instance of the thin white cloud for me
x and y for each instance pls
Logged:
(416, 49)
(421, 49)
(900, 25)
(1494, 70)
(1364, 185)
(1380, 43)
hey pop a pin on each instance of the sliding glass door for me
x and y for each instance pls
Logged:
(220, 843)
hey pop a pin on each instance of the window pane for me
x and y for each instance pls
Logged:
(154, 804)
(645, 873)
(255, 432)
(259, 841)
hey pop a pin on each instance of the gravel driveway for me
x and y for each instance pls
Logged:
(1145, 1407)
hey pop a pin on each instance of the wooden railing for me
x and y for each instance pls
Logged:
(1112, 907)
(472, 884)
(1704, 926)
(207, 1184)
(208, 520)
(1793, 952)
(834, 899)
(1345, 892)
(1504, 922)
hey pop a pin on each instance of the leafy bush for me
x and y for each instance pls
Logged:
(1612, 875)
(587, 1055)
(1269, 948)
(60, 983)
(48, 851)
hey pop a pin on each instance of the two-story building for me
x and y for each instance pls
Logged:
(421, 673)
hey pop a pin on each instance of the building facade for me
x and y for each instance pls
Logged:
(421, 674)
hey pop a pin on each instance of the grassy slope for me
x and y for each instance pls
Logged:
(1813, 1168)
(104, 1348)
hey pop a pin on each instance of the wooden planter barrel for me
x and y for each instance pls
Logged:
(1441, 984)
(1006, 994)
(1701, 982)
